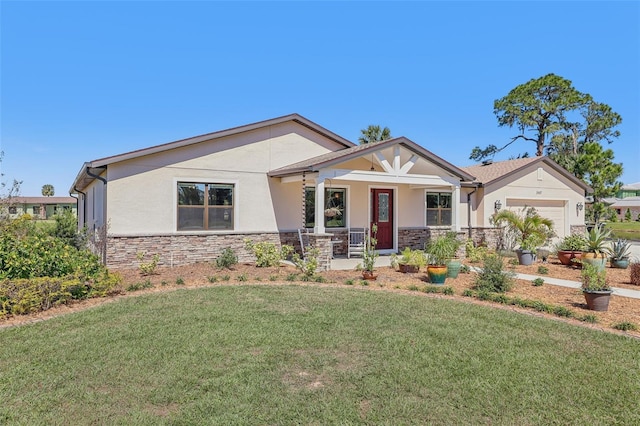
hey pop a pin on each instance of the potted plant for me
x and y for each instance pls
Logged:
(439, 250)
(454, 264)
(595, 253)
(619, 254)
(571, 248)
(369, 255)
(531, 230)
(410, 261)
(595, 288)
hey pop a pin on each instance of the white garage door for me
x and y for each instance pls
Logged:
(550, 209)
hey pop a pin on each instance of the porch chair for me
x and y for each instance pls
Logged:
(357, 241)
(303, 235)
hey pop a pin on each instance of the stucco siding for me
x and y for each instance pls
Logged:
(544, 188)
(142, 192)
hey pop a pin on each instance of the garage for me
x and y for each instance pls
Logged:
(550, 209)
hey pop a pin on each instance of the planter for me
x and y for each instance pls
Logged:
(405, 268)
(437, 273)
(525, 257)
(599, 261)
(369, 275)
(622, 263)
(597, 300)
(566, 257)
(453, 268)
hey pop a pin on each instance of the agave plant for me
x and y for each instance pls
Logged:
(597, 240)
(620, 249)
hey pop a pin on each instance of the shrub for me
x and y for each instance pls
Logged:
(38, 255)
(412, 287)
(635, 273)
(140, 286)
(464, 269)
(66, 228)
(309, 264)
(475, 254)
(179, 281)
(243, 277)
(467, 293)
(268, 254)
(492, 277)
(537, 282)
(291, 277)
(448, 291)
(226, 277)
(212, 279)
(543, 270)
(23, 296)
(590, 318)
(227, 259)
(148, 268)
(561, 311)
(272, 277)
(625, 326)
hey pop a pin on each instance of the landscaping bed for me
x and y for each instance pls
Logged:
(621, 309)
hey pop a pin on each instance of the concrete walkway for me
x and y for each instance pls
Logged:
(385, 261)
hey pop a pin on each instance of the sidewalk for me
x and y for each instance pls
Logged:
(385, 261)
(634, 294)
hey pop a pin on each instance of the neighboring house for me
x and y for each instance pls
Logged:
(632, 204)
(188, 200)
(627, 198)
(537, 182)
(39, 207)
(631, 190)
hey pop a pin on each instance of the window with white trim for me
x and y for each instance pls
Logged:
(205, 206)
(438, 208)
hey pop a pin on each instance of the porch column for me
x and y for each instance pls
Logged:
(319, 227)
(456, 209)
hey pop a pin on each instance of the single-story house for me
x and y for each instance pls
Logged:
(39, 207)
(190, 199)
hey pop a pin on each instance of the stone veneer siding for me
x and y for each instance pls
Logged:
(175, 250)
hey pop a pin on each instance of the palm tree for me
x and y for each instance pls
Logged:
(47, 190)
(531, 230)
(374, 133)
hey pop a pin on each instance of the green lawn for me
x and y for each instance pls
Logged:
(312, 355)
(626, 230)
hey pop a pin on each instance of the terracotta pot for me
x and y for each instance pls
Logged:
(597, 300)
(566, 256)
(369, 275)
(408, 269)
(437, 273)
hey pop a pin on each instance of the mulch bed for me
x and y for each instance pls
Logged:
(621, 309)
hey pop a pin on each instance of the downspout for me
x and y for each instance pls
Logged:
(84, 204)
(469, 210)
(104, 209)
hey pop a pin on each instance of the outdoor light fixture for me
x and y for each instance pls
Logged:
(497, 205)
(579, 206)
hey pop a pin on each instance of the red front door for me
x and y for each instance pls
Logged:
(382, 216)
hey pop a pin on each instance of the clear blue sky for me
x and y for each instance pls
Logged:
(85, 80)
